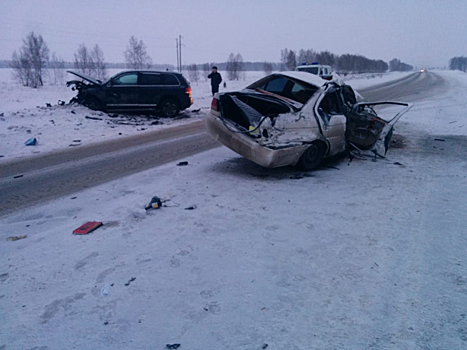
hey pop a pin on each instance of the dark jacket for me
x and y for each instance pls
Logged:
(216, 79)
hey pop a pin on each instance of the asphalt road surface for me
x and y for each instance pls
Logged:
(29, 182)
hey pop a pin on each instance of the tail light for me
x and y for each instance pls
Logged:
(214, 104)
(188, 92)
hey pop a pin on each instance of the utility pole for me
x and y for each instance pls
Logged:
(180, 51)
(178, 45)
(178, 57)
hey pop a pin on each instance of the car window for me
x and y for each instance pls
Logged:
(276, 85)
(150, 79)
(128, 79)
(301, 93)
(331, 103)
(349, 95)
(170, 79)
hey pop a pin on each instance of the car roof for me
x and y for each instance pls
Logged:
(305, 77)
(147, 71)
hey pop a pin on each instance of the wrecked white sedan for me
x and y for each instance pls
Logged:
(297, 118)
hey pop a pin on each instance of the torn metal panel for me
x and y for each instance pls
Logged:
(367, 131)
(252, 116)
(82, 86)
(289, 129)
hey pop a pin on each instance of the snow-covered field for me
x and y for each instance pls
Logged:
(23, 115)
(356, 255)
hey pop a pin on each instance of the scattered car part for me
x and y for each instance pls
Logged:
(155, 203)
(31, 142)
(87, 227)
(16, 238)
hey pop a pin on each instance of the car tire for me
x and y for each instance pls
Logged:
(169, 108)
(93, 103)
(312, 156)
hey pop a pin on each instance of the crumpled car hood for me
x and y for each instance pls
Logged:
(84, 77)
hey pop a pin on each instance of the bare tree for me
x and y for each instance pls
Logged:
(206, 70)
(193, 73)
(83, 61)
(291, 62)
(98, 63)
(90, 62)
(306, 56)
(326, 57)
(458, 63)
(57, 64)
(239, 66)
(234, 66)
(231, 67)
(267, 67)
(284, 55)
(22, 70)
(136, 55)
(396, 65)
(38, 53)
(28, 65)
(288, 59)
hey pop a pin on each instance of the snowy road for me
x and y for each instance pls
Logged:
(31, 181)
(356, 255)
(28, 182)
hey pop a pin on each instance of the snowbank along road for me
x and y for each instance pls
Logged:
(27, 182)
(362, 254)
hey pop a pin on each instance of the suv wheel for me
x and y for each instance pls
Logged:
(169, 108)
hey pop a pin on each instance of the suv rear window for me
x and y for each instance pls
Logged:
(150, 79)
(170, 79)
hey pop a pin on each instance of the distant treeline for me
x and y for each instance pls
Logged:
(458, 63)
(247, 66)
(347, 63)
(342, 63)
(397, 65)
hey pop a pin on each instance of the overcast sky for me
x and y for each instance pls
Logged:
(419, 32)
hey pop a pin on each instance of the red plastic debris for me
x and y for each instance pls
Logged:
(87, 227)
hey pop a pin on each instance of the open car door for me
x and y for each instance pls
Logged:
(367, 131)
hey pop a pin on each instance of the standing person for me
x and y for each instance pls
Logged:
(216, 80)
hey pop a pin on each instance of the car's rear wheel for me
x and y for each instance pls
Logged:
(312, 157)
(93, 103)
(169, 108)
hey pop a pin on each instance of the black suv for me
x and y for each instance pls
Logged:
(135, 91)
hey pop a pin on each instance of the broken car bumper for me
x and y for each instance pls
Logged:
(247, 147)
